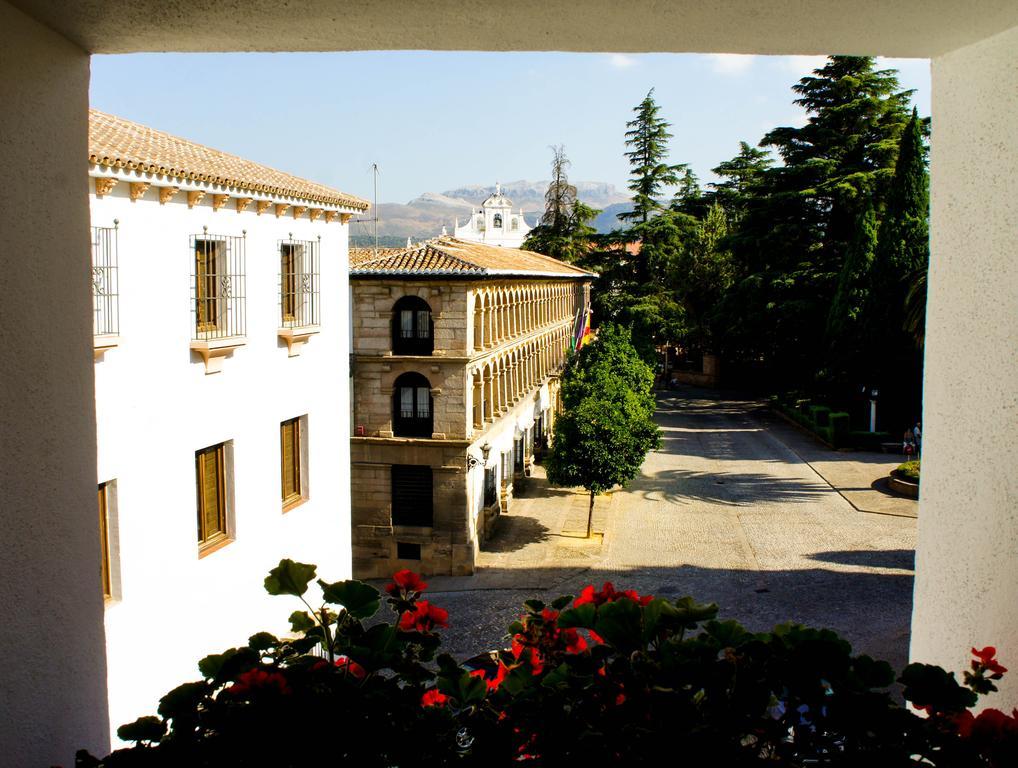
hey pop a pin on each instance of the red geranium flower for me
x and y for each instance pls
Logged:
(259, 680)
(493, 685)
(424, 618)
(352, 667)
(988, 662)
(574, 641)
(405, 581)
(608, 594)
(434, 698)
(993, 725)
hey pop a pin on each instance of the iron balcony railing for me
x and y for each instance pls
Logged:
(218, 286)
(105, 296)
(299, 284)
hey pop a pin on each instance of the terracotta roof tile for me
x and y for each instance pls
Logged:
(448, 257)
(119, 143)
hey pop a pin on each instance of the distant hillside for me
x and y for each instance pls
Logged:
(425, 215)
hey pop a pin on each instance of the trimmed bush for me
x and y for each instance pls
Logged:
(839, 423)
(819, 413)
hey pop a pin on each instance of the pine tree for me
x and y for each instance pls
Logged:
(648, 138)
(739, 174)
(846, 342)
(800, 219)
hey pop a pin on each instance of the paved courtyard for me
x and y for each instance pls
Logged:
(735, 509)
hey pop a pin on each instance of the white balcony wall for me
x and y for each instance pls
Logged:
(155, 406)
(966, 589)
(53, 693)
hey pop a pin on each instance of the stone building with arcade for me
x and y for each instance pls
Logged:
(456, 352)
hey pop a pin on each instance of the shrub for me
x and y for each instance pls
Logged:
(819, 414)
(909, 471)
(839, 423)
(608, 678)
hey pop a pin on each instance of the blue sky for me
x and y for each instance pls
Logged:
(435, 121)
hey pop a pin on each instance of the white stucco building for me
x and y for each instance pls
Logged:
(221, 357)
(494, 223)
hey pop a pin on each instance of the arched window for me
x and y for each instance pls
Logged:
(514, 223)
(497, 223)
(411, 406)
(412, 327)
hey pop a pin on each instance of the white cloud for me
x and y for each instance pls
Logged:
(802, 65)
(621, 60)
(731, 63)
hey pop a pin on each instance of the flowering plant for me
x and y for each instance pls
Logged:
(608, 678)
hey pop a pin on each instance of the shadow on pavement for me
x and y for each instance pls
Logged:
(871, 610)
(514, 532)
(901, 559)
(734, 489)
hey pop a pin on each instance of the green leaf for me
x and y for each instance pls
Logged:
(301, 621)
(690, 613)
(561, 602)
(213, 663)
(289, 578)
(360, 600)
(619, 624)
(182, 701)
(873, 673)
(262, 641)
(928, 684)
(146, 728)
(727, 634)
(535, 606)
(656, 615)
(581, 617)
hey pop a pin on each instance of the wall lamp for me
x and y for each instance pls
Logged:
(473, 461)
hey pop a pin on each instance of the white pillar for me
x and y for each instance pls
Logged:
(51, 612)
(966, 589)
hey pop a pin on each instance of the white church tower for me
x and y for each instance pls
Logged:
(495, 223)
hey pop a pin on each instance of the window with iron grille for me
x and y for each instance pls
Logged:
(218, 283)
(105, 298)
(412, 494)
(299, 292)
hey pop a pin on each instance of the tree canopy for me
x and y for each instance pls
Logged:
(607, 426)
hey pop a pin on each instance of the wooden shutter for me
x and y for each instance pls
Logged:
(206, 286)
(211, 494)
(289, 439)
(104, 540)
(288, 268)
(412, 488)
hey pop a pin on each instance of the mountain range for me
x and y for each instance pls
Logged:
(425, 215)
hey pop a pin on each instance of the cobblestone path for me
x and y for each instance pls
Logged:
(727, 512)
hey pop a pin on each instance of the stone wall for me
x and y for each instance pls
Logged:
(446, 548)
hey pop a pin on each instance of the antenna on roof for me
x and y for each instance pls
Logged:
(374, 169)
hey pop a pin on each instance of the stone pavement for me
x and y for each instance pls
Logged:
(859, 476)
(726, 511)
